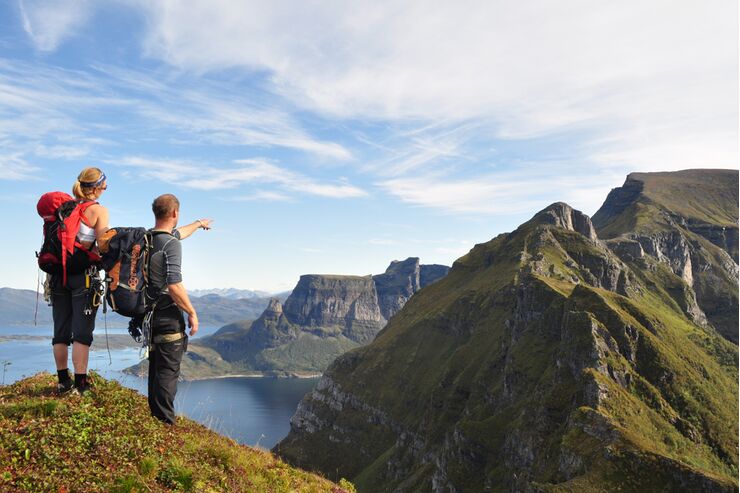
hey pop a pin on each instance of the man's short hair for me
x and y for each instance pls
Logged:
(164, 205)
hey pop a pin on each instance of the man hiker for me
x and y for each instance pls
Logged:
(167, 298)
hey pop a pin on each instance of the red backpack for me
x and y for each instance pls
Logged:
(60, 252)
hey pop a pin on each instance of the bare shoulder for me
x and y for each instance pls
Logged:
(96, 211)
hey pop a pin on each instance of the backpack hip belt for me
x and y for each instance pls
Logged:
(164, 338)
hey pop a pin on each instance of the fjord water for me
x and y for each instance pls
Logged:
(252, 411)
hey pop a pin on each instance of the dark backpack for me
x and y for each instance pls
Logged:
(61, 253)
(123, 252)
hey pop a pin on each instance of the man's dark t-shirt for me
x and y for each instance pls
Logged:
(165, 268)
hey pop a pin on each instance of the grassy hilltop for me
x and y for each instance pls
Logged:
(107, 442)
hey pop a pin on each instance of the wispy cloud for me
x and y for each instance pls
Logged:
(61, 151)
(201, 176)
(623, 73)
(311, 250)
(218, 113)
(262, 196)
(625, 86)
(410, 150)
(382, 241)
(508, 192)
(44, 108)
(14, 167)
(49, 22)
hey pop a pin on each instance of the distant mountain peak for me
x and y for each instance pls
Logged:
(274, 306)
(564, 216)
(232, 293)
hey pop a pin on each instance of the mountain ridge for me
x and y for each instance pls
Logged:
(543, 361)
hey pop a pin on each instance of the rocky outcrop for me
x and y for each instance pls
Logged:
(564, 216)
(399, 282)
(546, 360)
(724, 237)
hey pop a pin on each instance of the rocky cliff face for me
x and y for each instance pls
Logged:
(546, 360)
(348, 303)
(401, 280)
(323, 317)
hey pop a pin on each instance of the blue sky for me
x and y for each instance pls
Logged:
(334, 137)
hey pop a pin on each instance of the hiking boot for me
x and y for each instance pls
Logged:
(81, 390)
(82, 384)
(65, 386)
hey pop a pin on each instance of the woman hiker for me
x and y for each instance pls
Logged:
(73, 308)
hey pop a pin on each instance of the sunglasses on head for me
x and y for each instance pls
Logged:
(96, 183)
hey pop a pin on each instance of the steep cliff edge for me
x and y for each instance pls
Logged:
(703, 201)
(687, 220)
(542, 362)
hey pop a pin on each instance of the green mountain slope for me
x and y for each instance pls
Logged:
(689, 221)
(542, 362)
(107, 442)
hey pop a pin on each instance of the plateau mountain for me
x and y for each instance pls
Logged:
(324, 316)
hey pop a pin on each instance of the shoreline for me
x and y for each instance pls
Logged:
(285, 375)
(255, 375)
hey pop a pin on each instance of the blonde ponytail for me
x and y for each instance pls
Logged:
(88, 175)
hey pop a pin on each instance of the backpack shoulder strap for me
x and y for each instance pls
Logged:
(82, 206)
(148, 247)
(69, 218)
(148, 252)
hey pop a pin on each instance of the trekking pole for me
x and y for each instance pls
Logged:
(5, 365)
(105, 324)
(36, 312)
(102, 289)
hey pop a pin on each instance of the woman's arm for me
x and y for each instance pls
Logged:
(189, 229)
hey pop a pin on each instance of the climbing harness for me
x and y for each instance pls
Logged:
(96, 288)
(38, 282)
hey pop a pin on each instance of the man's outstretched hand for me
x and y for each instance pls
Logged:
(188, 229)
(205, 223)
